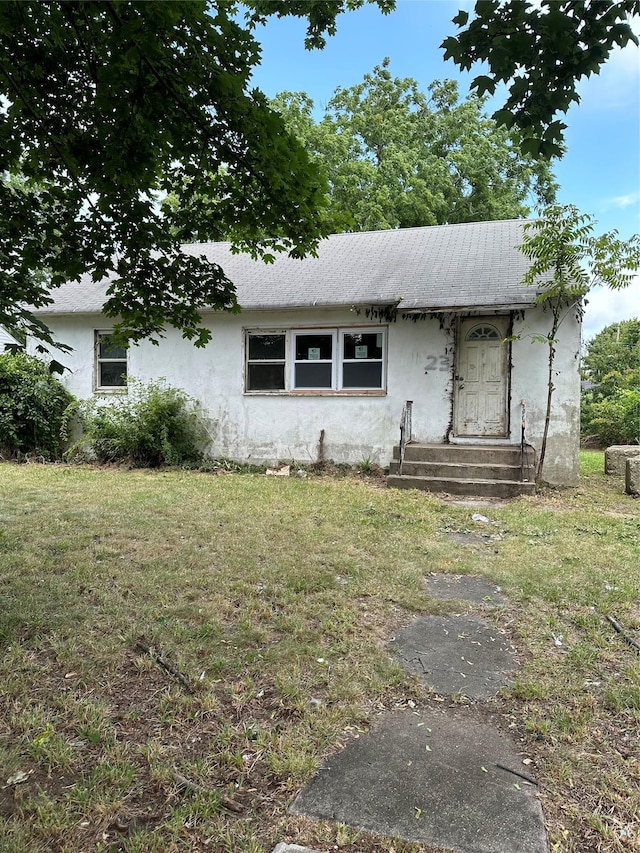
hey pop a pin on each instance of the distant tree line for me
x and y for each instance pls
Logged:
(610, 412)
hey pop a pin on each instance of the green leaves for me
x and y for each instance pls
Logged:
(541, 51)
(32, 407)
(615, 349)
(154, 425)
(111, 106)
(567, 259)
(320, 14)
(398, 157)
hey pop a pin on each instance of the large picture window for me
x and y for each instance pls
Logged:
(320, 360)
(111, 363)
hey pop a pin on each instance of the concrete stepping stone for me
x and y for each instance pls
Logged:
(456, 654)
(437, 777)
(463, 588)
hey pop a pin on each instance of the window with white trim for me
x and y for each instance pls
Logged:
(265, 367)
(362, 359)
(312, 359)
(110, 363)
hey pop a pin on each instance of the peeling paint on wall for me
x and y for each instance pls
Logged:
(268, 428)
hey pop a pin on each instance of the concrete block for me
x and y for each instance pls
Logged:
(632, 476)
(615, 457)
(292, 848)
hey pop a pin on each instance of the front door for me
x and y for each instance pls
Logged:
(482, 377)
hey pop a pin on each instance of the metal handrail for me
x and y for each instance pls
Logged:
(523, 426)
(405, 431)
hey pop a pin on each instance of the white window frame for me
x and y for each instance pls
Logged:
(337, 361)
(382, 361)
(98, 361)
(247, 361)
(295, 334)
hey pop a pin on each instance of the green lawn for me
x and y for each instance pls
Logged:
(274, 598)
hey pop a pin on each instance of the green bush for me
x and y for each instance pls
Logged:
(154, 425)
(614, 420)
(33, 405)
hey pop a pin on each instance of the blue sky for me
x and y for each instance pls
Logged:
(600, 173)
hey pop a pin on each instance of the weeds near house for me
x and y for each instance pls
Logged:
(33, 403)
(274, 598)
(153, 425)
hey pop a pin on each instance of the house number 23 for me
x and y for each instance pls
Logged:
(437, 362)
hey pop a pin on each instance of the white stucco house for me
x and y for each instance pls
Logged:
(335, 345)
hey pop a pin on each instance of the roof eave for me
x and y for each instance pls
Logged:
(462, 309)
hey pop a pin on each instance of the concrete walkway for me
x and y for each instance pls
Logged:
(444, 776)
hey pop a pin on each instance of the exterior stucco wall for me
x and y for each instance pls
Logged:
(529, 382)
(272, 427)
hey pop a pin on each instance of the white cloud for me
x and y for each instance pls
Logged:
(623, 201)
(609, 306)
(618, 83)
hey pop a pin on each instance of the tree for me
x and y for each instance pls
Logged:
(615, 349)
(539, 48)
(395, 157)
(108, 106)
(610, 408)
(33, 408)
(567, 260)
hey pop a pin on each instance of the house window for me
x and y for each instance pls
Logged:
(313, 359)
(265, 361)
(111, 363)
(322, 360)
(362, 354)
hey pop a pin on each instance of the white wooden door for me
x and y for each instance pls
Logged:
(482, 377)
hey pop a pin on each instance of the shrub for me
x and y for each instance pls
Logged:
(33, 404)
(155, 425)
(615, 420)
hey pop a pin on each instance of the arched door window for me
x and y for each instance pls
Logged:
(483, 333)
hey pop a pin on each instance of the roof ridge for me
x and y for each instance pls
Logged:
(486, 222)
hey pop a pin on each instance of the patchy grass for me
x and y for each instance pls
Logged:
(275, 599)
(591, 462)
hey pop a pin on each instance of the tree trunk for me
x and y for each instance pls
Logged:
(550, 389)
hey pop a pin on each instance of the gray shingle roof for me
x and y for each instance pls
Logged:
(433, 268)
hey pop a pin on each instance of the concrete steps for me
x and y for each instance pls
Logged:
(475, 470)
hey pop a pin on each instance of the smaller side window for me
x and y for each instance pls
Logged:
(111, 363)
(266, 353)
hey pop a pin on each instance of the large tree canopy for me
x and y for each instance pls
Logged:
(396, 157)
(106, 107)
(610, 409)
(540, 49)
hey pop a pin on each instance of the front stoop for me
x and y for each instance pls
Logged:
(482, 470)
